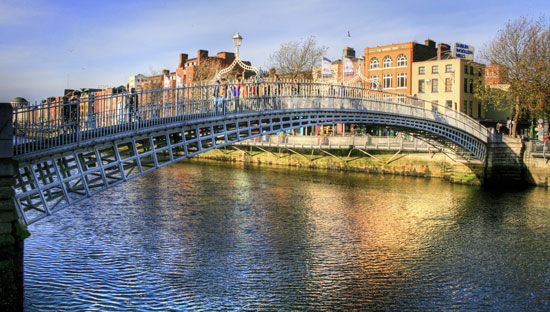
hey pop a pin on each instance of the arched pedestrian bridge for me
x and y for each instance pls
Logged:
(72, 149)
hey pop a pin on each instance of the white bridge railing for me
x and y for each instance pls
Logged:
(80, 119)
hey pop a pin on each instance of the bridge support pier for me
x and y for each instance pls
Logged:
(12, 232)
(504, 166)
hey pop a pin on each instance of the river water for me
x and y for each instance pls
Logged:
(196, 236)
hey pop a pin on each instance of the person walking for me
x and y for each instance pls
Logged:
(216, 96)
(236, 88)
(509, 125)
(132, 105)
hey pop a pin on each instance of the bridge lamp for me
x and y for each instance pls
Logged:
(237, 40)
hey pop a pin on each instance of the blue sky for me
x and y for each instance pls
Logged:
(47, 46)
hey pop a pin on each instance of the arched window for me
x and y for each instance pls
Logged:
(401, 60)
(387, 61)
(373, 63)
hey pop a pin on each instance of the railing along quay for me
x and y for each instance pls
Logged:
(54, 124)
(343, 142)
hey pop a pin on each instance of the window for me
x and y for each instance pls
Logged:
(465, 69)
(464, 106)
(465, 85)
(421, 86)
(387, 81)
(374, 63)
(471, 86)
(449, 103)
(471, 70)
(435, 86)
(471, 108)
(449, 68)
(401, 60)
(387, 61)
(448, 85)
(374, 83)
(435, 69)
(421, 70)
(402, 80)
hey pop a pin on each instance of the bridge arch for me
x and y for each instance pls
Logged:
(174, 124)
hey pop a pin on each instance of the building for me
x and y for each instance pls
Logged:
(495, 78)
(204, 67)
(449, 82)
(389, 67)
(136, 80)
(339, 72)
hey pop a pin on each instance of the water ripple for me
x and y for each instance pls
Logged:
(218, 238)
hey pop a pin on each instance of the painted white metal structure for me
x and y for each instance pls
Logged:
(237, 39)
(71, 150)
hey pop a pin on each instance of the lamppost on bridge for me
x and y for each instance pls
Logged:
(237, 40)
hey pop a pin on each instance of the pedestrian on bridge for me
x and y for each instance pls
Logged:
(132, 104)
(216, 96)
(236, 90)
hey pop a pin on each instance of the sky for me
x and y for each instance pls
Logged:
(47, 46)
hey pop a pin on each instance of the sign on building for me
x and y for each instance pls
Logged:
(348, 66)
(464, 51)
(326, 71)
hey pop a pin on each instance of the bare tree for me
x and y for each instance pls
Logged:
(522, 48)
(206, 70)
(297, 58)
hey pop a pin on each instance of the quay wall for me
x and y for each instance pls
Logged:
(510, 162)
(422, 164)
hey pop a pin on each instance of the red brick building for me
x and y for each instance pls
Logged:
(204, 67)
(390, 66)
(495, 74)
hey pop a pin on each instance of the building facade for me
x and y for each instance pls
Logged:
(448, 83)
(204, 67)
(389, 67)
(339, 72)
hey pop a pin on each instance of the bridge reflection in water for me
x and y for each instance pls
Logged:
(71, 150)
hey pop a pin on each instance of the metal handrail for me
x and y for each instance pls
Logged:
(56, 123)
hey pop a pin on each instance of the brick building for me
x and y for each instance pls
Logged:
(495, 75)
(204, 67)
(389, 67)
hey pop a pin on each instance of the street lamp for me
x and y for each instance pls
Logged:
(237, 40)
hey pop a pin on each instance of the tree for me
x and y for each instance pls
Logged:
(297, 58)
(206, 70)
(522, 48)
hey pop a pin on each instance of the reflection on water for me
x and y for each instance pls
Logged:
(216, 237)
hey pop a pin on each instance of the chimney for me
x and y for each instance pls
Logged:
(183, 59)
(442, 50)
(349, 52)
(201, 54)
(430, 43)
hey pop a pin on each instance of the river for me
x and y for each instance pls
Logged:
(210, 236)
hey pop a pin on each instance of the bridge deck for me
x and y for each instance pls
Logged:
(68, 151)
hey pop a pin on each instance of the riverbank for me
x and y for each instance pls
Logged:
(421, 164)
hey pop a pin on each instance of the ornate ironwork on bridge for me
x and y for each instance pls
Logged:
(70, 150)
